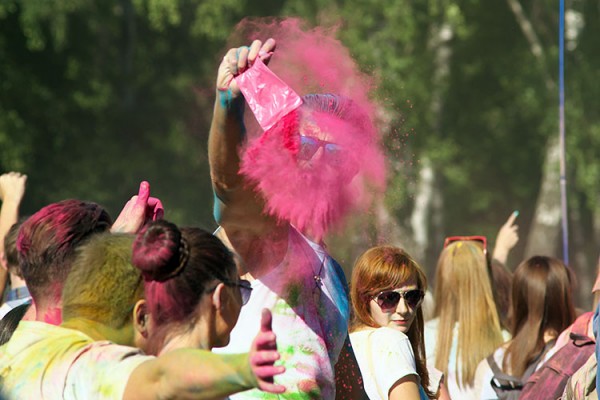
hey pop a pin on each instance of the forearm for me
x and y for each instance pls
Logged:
(236, 204)
(227, 133)
(9, 214)
(191, 374)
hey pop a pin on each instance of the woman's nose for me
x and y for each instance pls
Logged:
(402, 307)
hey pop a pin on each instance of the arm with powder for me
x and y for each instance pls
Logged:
(236, 205)
(183, 373)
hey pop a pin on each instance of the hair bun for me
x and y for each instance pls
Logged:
(159, 251)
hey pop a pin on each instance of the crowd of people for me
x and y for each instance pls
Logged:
(140, 308)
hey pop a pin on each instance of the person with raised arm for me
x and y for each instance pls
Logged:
(47, 241)
(12, 190)
(276, 196)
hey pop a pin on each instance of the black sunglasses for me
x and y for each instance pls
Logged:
(389, 299)
(245, 289)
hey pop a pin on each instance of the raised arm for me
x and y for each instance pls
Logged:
(138, 211)
(236, 205)
(12, 190)
(507, 238)
(200, 374)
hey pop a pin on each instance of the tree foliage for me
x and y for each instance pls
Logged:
(96, 96)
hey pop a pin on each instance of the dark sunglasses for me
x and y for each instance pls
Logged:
(310, 145)
(245, 288)
(481, 239)
(389, 299)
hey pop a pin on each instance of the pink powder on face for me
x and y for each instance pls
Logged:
(317, 194)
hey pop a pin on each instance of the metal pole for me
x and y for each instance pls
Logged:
(561, 127)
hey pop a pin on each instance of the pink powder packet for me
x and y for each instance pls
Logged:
(269, 98)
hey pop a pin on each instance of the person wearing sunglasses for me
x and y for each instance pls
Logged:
(280, 188)
(466, 326)
(387, 289)
(193, 295)
(91, 355)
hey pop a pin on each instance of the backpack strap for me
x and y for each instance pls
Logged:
(501, 380)
(580, 326)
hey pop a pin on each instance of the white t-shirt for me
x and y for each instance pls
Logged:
(47, 362)
(307, 295)
(384, 356)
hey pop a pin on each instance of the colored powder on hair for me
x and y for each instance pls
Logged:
(316, 194)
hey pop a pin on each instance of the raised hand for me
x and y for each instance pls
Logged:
(139, 210)
(12, 186)
(507, 238)
(263, 355)
(237, 60)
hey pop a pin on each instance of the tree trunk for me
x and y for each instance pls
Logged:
(545, 228)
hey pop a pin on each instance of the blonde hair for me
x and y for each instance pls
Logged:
(463, 294)
(381, 268)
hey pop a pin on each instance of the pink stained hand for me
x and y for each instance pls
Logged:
(138, 211)
(263, 355)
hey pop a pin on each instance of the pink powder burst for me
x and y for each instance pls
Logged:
(317, 192)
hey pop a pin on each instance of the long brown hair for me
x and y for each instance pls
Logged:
(541, 302)
(385, 267)
(463, 295)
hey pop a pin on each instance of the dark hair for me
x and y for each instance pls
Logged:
(10, 250)
(11, 320)
(178, 266)
(541, 301)
(47, 240)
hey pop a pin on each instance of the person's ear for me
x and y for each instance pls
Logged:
(141, 318)
(219, 297)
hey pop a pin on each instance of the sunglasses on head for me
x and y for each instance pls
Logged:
(480, 239)
(310, 145)
(389, 299)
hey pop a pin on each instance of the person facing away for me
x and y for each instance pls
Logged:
(18, 294)
(387, 290)
(466, 326)
(273, 203)
(47, 241)
(189, 276)
(91, 355)
(541, 308)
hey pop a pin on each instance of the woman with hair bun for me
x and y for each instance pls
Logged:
(193, 296)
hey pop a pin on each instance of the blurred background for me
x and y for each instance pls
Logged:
(96, 96)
